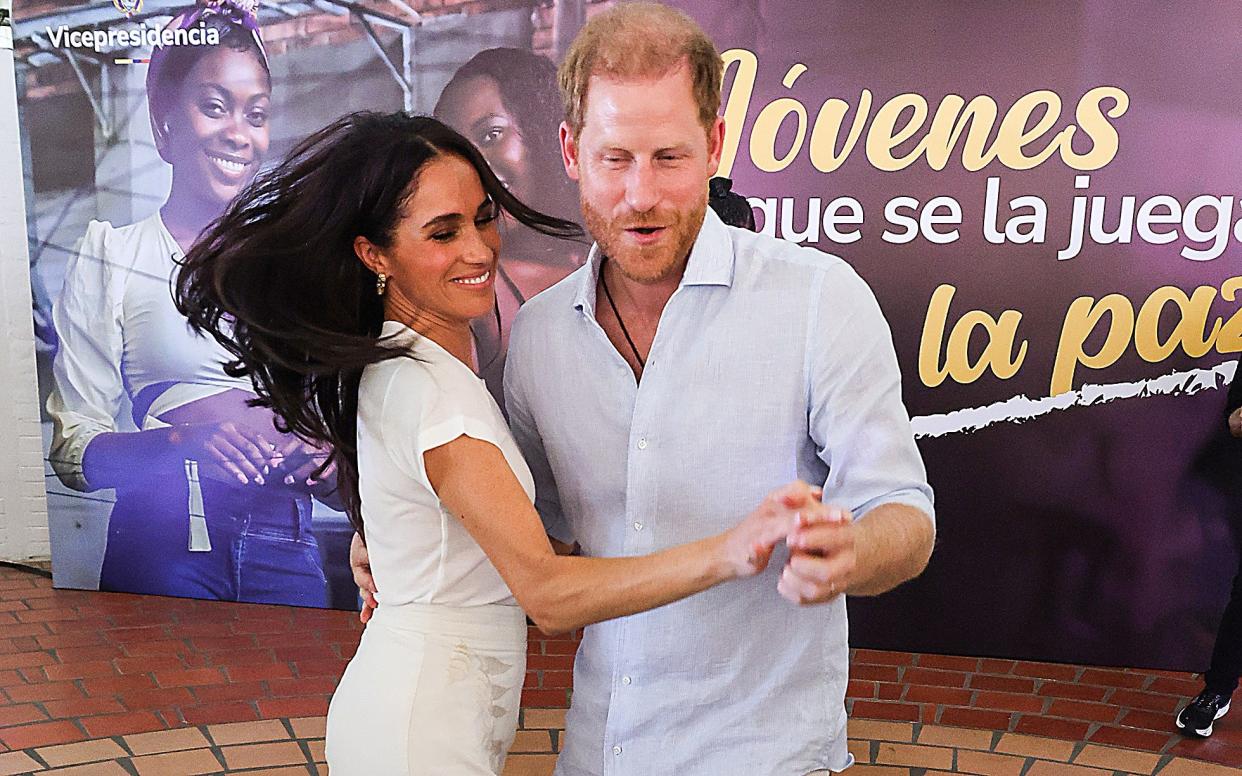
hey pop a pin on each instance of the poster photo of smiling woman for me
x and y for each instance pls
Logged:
(211, 500)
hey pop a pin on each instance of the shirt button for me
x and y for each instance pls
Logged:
(625, 680)
(638, 526)
(616, 750)
(642, 444)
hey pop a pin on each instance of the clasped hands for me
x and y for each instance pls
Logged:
(247, 449)
(821, 540)
(237, 454)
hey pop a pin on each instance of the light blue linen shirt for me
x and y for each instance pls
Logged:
(771, 362)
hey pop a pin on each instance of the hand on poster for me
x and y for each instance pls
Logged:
(360, 565)
(247, 449)
(226, 451)
(304, 466)
(1235, 422)
(248, 457)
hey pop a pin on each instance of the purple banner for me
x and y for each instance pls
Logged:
(1043, 197)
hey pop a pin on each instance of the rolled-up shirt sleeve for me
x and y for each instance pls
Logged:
(856, 415)
(87, 389)
(517, 387)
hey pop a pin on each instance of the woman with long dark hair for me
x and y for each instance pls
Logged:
(344, 284)
(210, 501)
(506, 101)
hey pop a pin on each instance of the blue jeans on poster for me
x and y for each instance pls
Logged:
(262, 546)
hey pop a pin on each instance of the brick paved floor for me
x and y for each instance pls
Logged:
(94, 684)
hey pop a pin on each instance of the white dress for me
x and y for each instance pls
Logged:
(437, 680)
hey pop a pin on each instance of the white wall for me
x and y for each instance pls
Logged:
(23, 505)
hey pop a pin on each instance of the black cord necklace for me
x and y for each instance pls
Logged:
(642, 363)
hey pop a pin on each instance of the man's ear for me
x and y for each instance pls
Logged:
(569, 151)
(715, 146)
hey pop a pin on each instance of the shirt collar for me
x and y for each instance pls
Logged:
(710, 263)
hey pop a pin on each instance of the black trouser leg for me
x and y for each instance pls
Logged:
(1226, 666)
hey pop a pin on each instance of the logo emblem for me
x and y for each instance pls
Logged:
(128, 7)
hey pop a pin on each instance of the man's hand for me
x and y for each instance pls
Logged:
(839, 555)
(1235, 422)
(360, 565)
(823, 556)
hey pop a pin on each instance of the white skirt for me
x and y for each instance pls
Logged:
(432, 690)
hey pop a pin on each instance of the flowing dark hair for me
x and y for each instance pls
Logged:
(276, 280)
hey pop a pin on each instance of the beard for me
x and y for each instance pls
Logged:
(646, 263)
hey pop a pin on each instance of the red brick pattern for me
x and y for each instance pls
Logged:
(76, 666)
(549, 670)
(1130, 708)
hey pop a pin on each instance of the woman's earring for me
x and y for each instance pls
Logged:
(381, 284)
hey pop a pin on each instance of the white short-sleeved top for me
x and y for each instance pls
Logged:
(419, 551)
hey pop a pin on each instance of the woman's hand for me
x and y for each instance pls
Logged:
(239, 453)
(232, 440)
(748, 546)
(300, 463)
(360, 565)
(226, 451)
(1235, 422)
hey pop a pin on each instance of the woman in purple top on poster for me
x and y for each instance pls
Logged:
(211, 501)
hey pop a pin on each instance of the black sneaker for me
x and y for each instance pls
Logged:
(1199, 715)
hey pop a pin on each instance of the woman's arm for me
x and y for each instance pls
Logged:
(560, 593)
(226, 452)
(87, 389)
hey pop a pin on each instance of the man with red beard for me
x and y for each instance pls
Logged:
(687, 368)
